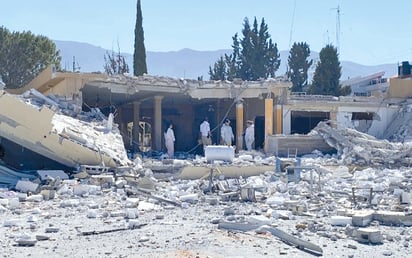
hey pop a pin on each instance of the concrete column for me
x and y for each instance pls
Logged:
(122, 126)
(239, 125)
(136, 120)
(279, 119)
(268, 119)
(333, 119)
(157, 128)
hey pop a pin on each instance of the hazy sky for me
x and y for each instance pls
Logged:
(371, 32)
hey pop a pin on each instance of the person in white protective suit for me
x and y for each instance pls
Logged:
(249, 135)
(170, 141)
(226, 133)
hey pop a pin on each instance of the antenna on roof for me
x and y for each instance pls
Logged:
(337, 27)
(291, 26)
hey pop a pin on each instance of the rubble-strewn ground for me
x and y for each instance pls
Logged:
(356, 203)
(85, 220)
(174, 232)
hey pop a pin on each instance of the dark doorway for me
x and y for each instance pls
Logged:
(259, 132)
(302, 122)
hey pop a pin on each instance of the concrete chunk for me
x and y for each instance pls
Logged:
(393, 218)
(369, 235)
(362, 218)
(340, 221)
(26, 186)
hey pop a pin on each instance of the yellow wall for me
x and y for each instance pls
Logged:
(60, 83)
(400, 88)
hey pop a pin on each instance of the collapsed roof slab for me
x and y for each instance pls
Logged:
(64, 139)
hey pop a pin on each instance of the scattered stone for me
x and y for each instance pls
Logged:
(143, 239)
(42, 237)
(352, 246)
(160, 216)
(228, 211)
(26, 241)
(52, 230)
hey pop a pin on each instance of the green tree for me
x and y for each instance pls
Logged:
(219, 70)
(299, 65)
(254, 56)
(139, 56)
(327, 74)
(24, 55)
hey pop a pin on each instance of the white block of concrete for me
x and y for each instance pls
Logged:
(340, 220)
(14, 203)
(258, 220)
(362, 218)
(191, 198)
(25, 186)
(45, 174)
(219, 152)
(369, 235)
(132, 202)
(146, 206)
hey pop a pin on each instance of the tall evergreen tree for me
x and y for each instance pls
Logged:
(254, 56)
(327, 74)
(299, 65)
(139, 56)
(24, 55)
(219, 70)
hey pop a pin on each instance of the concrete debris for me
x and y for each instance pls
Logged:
(369, 235)
(359, 148)
(302, 244)
(317, 202)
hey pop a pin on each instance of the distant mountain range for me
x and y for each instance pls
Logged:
(187, 63)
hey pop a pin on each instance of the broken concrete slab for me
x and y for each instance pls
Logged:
(238, 226)
(302, 244)
(369, 235)
(340, 220)
(393, 218)
(234, 171)
(362, 218)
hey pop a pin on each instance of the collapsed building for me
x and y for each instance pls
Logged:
(142, 106)
(69, 120)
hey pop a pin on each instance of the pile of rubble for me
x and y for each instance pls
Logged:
(353, 202)
(326, 203)
(362, 149)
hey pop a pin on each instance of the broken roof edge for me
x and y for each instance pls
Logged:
(50, 77)
(126, 84)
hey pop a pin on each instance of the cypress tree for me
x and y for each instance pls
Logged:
(139, 56)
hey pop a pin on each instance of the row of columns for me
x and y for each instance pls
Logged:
(157, 122)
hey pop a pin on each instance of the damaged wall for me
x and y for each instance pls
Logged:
(381, 118)
(377, 114)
